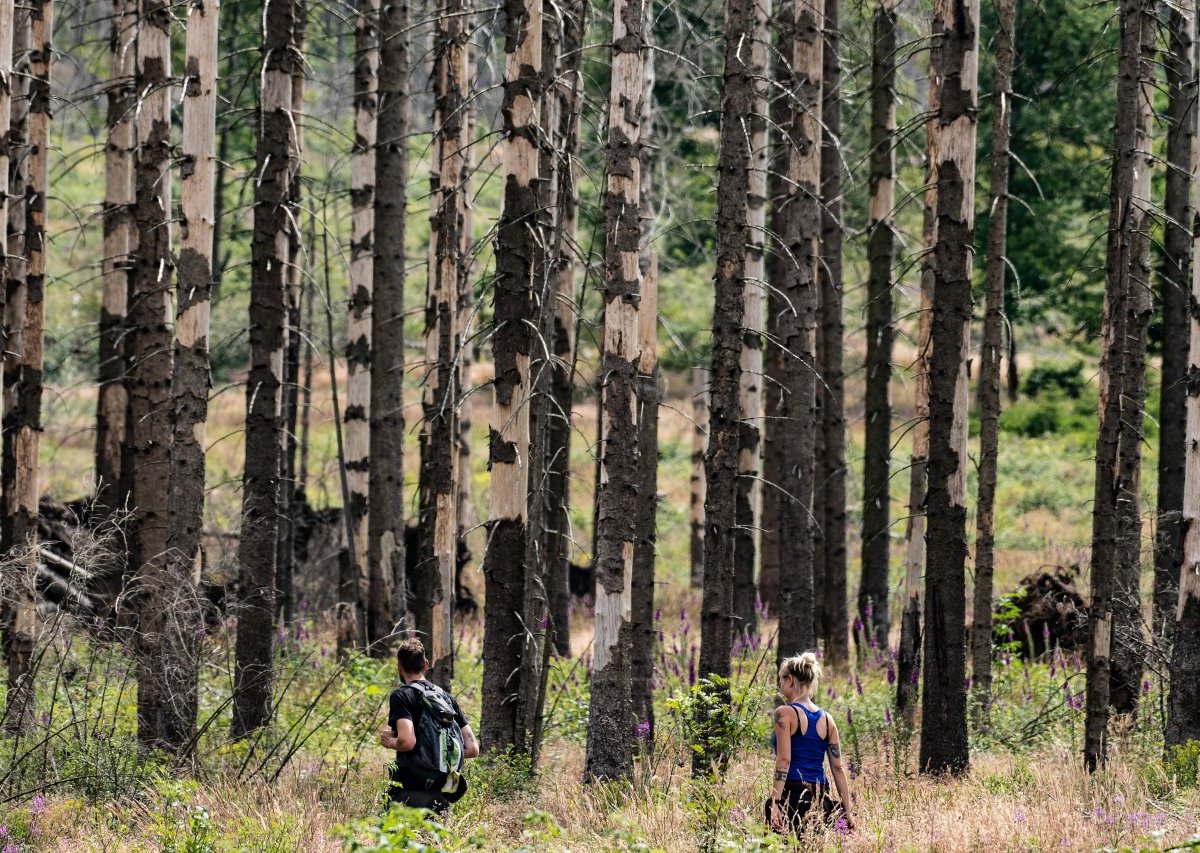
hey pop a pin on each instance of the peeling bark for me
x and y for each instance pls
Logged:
(275, 212)
(989, 362)
(190, 381)
(944, 747)
(1114, 653)
(881, 252)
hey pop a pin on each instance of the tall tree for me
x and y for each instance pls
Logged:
(190, 379)
(150, 359)
(352, 623)
(645, 632)
(1183, 710)
(111, 401)
(831, 474)
(388, 602)
(944, 747)
(1114, 652)
(699, 484)
(881, 253)
(18, 614)
(518, 246)
(276, 160)
(750, 388)
(291, 492)
(611, 723)
(447, 251)
(725, 411)
(797, 329)
(989, 367)
(568, 88)
(1178, 62)
(908, 662)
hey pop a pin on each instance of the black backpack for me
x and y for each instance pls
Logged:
(437, 758)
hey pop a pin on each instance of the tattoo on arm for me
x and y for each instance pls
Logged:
(781, 775)
(835, 750)
(779, 718)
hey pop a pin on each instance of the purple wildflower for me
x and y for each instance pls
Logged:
(1019, 816)
(643, 730)
(38, 806)
(891, 674)
(841, 826)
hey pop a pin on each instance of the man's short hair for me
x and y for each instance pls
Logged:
(411, 656)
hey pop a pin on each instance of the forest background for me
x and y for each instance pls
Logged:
(311, 779)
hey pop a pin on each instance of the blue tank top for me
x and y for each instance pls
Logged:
(808, 750)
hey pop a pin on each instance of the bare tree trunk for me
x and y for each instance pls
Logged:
(275, 212)
(17, 609)
(989, 362)
(699, 484)
(446, 257)
(387, 605)
(881, 250)
(832, 474)
(541, 542)
(190, 381)
(750, 388)
(1116, 525)
(944, 747)
(908, 662)
(1177, 248)
(774, 475)
(351, 598)
(645, 633)
(285, 560)
(798, 331)
(150, 362)
(1183, 710)
(111, 400)
(725, 416)
(611, 723)
(569, 89)
(518, 246)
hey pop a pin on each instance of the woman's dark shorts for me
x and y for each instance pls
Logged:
(798, 801)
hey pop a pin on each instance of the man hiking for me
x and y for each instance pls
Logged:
(430, 735)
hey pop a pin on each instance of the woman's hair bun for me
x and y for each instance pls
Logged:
(805, 668)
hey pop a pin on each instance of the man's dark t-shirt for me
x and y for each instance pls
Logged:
(405, 704)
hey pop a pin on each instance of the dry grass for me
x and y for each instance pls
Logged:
(1040, 801)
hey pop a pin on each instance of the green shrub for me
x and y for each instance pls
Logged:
(1183, 762)
(1065, 378)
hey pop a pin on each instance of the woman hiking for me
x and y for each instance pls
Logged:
(804, 734)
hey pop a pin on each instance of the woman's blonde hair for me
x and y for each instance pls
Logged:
(805, 668)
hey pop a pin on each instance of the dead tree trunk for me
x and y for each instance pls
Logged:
(611, 723)
(1183, 710)
(699, 484)
(447, 251)
(881, 251)
(387, 605)
(111, 401)
(944, 747)
(569, 91)
(798, 331)
(645, 633)
(518, 247)
(989, 362)
(1178, 60)
(832, 474)
(190, 380)
(352, 621)
(1114, 613)
(908, 660)
(750, 388)
(725, 417)
(150, 362)
(18, 613)
(774, 476)
(275, 212)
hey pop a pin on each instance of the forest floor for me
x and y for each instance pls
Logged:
(313, 781)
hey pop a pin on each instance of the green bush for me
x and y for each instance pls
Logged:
(1183, 762)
